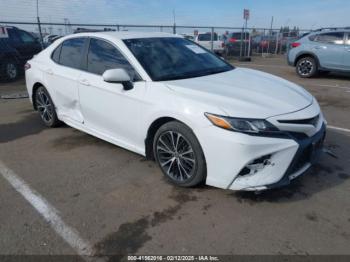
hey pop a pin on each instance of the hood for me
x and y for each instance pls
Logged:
(244, 93)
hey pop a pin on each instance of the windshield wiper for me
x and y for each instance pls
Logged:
(194, 74)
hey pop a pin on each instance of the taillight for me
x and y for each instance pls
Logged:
(232, 40)
(27, 66)
(295, 44)
(222, 45)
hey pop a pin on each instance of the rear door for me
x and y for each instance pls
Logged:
(329, 48)
(62, 76)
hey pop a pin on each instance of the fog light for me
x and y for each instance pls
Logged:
(256, 165)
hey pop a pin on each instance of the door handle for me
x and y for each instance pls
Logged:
(320, 47)
(84, 82)
(49, 71)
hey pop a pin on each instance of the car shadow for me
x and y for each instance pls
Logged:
(335, 76)
(330, 172)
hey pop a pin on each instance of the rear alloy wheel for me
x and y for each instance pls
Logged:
(46, 108)
(11, 71)
(306, 67)
(179, 154)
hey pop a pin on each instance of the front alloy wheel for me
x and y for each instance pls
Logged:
(179, 154)
(175, 156)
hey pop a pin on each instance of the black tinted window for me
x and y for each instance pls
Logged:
(103, 56)
(330, 38)
(14, 37)
(56, 54)
(71, 52)
(239, 35)
(207, 37)
(26, 37)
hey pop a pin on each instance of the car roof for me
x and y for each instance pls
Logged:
(347, 30)
(127, 35)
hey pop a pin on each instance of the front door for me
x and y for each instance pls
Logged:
(329, 48)
(107, 108)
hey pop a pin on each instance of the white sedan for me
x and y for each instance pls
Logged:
(169, 99)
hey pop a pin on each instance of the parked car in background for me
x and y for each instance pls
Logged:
(237, 43)
(265, 44)
(166, 98)
(49, 39)
(204, 39)
(324, 50)
(187, 36)
(16, 47)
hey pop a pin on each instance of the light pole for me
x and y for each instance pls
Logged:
(39, 26)
(174, 26)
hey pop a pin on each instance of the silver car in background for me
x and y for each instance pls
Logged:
(323, 50)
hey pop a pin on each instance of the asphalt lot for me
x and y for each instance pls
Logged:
(119, 203)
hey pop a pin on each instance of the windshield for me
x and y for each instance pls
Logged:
(175, 58)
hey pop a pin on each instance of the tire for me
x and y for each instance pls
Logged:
(181, 161)
(306, 67)
(46, 107)
(10, 70)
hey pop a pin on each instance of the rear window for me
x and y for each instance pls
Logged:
(72, 52)
(207, 37)
(239, 35)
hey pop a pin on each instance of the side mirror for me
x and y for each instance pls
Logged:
(118, 76)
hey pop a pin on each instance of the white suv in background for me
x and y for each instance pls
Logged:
(204, 39)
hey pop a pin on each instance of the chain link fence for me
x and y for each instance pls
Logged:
(230, 42)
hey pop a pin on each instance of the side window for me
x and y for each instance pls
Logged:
(13, 36)
(56, 54)
(72, 52)
(336, 38)
(26, 37)
(103, 56)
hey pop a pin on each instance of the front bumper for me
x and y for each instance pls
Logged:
(308, 153)
(278, 160)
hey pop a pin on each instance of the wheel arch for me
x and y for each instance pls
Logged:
(152, 130)
(34, 89)
(156, 123)
(307, 54)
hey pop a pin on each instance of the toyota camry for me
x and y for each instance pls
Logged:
(166, 98)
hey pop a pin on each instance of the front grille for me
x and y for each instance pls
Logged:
(309, 121)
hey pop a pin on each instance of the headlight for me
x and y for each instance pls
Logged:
(243, 125)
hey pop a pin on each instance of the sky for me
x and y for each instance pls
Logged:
(306, 14)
